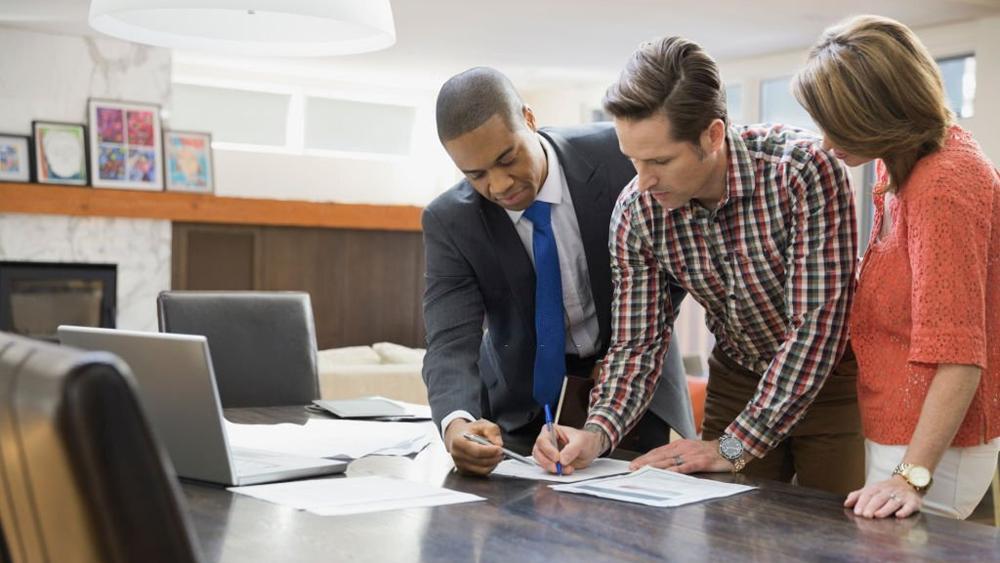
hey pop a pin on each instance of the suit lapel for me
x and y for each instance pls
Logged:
(513, 259)
(593, 201)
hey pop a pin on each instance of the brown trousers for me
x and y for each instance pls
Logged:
(825, 450)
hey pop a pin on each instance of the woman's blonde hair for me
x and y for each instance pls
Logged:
(875, 91)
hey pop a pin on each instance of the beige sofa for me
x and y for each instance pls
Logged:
(384, 368)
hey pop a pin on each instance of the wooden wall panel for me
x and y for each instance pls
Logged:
(209, 257)
(384, 284)
(365, 286)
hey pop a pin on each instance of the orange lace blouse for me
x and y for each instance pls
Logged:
(929, 293)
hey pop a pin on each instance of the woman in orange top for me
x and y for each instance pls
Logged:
(925, 325)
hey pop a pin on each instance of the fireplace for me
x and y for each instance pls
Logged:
(37, 297)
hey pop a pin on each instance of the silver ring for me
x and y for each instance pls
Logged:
(678, 460)
(893, 496)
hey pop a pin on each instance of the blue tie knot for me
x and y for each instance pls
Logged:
(540, 214)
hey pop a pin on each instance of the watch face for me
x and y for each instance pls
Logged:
(919, 476)
(730, 447)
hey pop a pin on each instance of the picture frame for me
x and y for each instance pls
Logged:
(187, 161)
(60, 151)
(15, 158)
(126, 145)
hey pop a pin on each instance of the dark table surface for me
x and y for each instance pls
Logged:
(523, 520)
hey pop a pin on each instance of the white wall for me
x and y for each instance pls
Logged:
(295, 173)
(50, 77)
(47, 76)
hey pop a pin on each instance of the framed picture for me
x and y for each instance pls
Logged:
(126, 147)
(15, 158)
(188, 161)
(60, 152)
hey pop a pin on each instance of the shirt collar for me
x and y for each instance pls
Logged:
(740, 178)
(552, 188)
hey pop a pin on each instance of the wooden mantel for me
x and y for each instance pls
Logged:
(199, 208)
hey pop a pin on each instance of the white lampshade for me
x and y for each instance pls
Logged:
(301, 28)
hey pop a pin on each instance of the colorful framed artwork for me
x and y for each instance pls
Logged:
(126, 147)
(188, 161)
(60, 152)
(15, 158)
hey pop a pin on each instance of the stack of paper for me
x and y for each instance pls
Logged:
(354, 495)
(343, 439)
(599, 468)
(655, 487)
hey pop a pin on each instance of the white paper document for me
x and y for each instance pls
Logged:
(354, 495)
(601, 467)
(655, 487)
(343, 439)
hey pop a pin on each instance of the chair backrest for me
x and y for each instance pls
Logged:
(263, 344)
(82, 477)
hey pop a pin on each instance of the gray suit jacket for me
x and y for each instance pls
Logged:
(479, 276)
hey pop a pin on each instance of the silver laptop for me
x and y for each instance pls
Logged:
(177, 389)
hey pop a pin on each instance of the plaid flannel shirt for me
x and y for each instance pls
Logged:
(773, 266)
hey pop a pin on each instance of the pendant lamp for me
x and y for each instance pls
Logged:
(297, 28)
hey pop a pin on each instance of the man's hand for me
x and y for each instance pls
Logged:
(577, 449)
(685, 456)
(469, 457)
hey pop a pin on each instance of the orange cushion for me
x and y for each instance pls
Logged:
(697, 387)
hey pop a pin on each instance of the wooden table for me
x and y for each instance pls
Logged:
(527, 521)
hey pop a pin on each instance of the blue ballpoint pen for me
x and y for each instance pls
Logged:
(555, 441)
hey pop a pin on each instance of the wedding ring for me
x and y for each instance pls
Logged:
(893, 496)
(678, 460)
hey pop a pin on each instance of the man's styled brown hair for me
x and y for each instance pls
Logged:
(675, 76)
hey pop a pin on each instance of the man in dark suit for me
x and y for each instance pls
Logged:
(519, 275)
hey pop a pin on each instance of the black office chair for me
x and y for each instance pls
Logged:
(263, 344)
(82, 478)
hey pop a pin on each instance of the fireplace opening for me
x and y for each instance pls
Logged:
(37, 297)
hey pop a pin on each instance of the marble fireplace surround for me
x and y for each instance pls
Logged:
(139, 247)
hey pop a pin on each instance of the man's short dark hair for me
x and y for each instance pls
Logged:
(470, 98)
(675, 76)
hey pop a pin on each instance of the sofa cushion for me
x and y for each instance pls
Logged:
(349, 356)
(397, 354)
(395, 381)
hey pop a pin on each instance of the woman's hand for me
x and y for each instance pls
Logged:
(885, 498)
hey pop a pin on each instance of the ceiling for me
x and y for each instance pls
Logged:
(564, 39)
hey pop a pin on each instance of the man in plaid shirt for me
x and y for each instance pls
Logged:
(757, 224)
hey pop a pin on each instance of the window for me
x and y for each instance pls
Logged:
(734, 102)
(959, 75)
(359, 127)
(778, 105)
(866, 207)
(231, 115)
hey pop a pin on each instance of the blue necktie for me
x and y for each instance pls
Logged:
(550, 329)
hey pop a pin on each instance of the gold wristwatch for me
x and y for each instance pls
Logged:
(916, 476)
